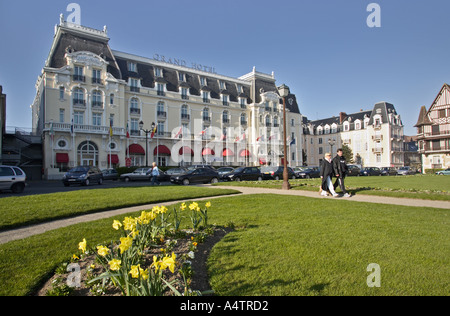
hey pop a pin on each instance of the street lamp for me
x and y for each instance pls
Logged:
(146, 131)
(284, 92)
(332, 142)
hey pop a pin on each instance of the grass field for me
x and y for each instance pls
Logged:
(21, 211)
(282, 246)
(427, 187)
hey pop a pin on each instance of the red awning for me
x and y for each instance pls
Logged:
(62, 158)
(262, 161)
(136, 149)
(186, 151)
(208, 152)
(162, 150)
(245, 153)
(227, 153)
(114, 159)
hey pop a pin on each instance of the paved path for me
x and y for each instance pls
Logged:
(29, 231)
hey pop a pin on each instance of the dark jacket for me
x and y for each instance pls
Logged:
(339, 166)
(326, 170)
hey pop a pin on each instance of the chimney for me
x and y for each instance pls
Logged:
(342, 117)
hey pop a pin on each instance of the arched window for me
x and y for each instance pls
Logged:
(134, 106)
(97, 99)
(78, 97)
(88, 154)
(243, 119)
(225, 117)
(205, 115)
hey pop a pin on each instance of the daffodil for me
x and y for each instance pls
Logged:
(183, 206)
(208, 204)
(102, 251)
(116, 224)
(114, 264)
(169, 262)
(75, 257)
(82, 245)
(129, 223)
(134, 233)
(135, 271)
(163, 209)
(193, 206)
(125, 244)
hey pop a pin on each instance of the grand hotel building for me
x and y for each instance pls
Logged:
(91, 100)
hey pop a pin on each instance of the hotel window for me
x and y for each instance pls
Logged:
(61, 93)
(160, 89)
(275, 122)
(134, 87)
(161, 129)
(320, 141)
(205, 95)
(346, 127)
(205, 115)
(96, 76)
(184, 112)
(268, 123)
(184, 94)
(134, 127)
(61, 115)
(78, 97)
(181, 77)
(111, 119)
(158, 72)
(242, 103)
(132, 67)
(203, 81)
(239, 88)
(97, 99)
(292, 122)
(78, 118)
(225, 99)
(243, 119)
(320, 151)
(160, 110)
(78, 74)
(225, 117)
(222, 85)
(134, 106)
(96, 119)
(111, 98)
(357, 125)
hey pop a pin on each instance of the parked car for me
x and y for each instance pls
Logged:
(311, 172)
(276, 173)
(200, 166)
(140, 174)
(12, 178)
(83, 175)
(110, 174)
(199, 175)
(245, 174)
(176, 171)
(371, 171)
(444, 172)
(353, 170)
(402, 171)
(388, 171)
(224, 171)
(297, 170)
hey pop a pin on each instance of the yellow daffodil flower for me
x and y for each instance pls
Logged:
(116, 224)
(82, 245)
(193, 206)
(135, 271)
(125, 244)
(129, 223)
(183, 206)
(114, 264)
(208, 204)
(102, 251)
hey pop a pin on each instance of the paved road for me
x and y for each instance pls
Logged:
(44, 187)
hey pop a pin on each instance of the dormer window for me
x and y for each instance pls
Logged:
(158, 72)
(203, 81)
(222, 85)
(181, 77)
(132, 67)
(240, 88)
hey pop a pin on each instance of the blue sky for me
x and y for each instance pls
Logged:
(322, 49)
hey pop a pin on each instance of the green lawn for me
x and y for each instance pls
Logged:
(427, 187)
(282, 246)
(34, 209)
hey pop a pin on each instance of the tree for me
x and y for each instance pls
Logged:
(347, 153)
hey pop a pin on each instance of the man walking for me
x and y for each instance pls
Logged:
(340, 170)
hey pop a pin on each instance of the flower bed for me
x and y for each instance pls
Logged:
(152, 257)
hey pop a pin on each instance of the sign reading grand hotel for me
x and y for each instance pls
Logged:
(183, 63)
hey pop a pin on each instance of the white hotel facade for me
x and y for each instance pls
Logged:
(90, 101)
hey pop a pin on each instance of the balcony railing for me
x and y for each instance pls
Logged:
(135, 89)
(93, 129)
(97, 81)
(135, 111)
(185, 117)
(97, 104)
(161, 93)
(161, 115)
(79, 78)
(79, 102)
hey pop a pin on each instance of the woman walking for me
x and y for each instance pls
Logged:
(326, 173)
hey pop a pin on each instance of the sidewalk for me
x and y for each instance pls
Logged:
(29, 231)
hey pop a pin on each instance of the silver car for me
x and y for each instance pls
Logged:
(141, 174)
(12, 178)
